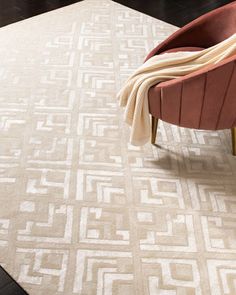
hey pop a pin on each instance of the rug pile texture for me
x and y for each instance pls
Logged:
(83, 211)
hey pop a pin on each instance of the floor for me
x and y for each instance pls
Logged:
(176, 12)
(8, 286)
(14, 10)
(58, 70)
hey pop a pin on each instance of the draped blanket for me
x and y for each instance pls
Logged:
(134, 94)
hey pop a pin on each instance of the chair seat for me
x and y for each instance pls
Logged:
(184, 49)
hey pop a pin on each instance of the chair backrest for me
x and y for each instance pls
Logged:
(205, 31)
(214, 26)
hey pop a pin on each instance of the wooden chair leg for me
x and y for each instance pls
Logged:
(154, 129)
(233, 132)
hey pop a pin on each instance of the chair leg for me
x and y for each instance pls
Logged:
(233, 132)
(154, 129)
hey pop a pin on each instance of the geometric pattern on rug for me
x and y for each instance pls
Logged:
(83, 211)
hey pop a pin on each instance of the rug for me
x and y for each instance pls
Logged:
(83, 211)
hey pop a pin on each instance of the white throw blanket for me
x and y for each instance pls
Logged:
(159, 68)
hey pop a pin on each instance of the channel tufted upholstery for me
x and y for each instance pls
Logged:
(205, 99)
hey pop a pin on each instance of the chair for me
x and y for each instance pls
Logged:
(205, 99)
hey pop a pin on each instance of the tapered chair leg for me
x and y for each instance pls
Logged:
(154, 129)
(233, 132)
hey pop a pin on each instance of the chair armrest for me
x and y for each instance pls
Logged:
(198, 73)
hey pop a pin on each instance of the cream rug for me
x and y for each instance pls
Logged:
(82, 211)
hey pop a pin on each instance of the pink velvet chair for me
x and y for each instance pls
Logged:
(205, 99)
